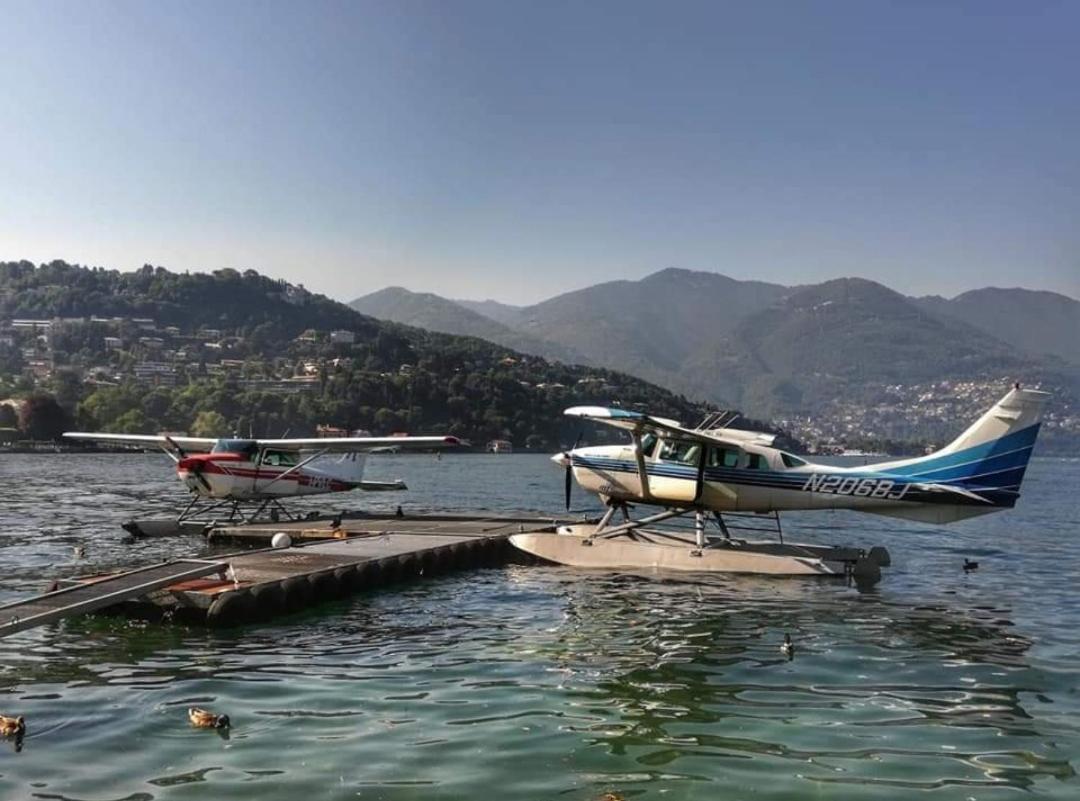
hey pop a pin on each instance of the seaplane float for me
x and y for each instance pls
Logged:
(729, 480)
(247, 480)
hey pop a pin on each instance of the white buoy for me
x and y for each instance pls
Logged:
(281, 540)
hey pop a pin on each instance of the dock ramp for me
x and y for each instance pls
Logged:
(89, 597)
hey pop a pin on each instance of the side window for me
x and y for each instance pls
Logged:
(723, 457)
(648, 444)
(755, 461)
(791, 461)
(680, 451)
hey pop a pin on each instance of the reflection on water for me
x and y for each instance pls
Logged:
(677, 678)
(544, 682)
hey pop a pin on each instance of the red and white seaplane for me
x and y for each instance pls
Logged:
(256, 474)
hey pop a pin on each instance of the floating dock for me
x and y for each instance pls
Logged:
(326, 560)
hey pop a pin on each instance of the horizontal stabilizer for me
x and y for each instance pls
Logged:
(381, 486)
(954, 490)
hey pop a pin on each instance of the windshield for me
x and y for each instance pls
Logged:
(242, 446)
(791, 461)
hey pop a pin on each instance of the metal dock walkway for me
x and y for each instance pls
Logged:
(100, 593)
(328, 559)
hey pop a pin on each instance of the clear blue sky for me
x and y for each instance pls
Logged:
(516, 150)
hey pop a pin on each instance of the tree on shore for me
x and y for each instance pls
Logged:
(209, 424)
(42, 418)
(9, 418)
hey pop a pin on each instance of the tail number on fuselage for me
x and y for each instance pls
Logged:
(318, 482)
(857, 487)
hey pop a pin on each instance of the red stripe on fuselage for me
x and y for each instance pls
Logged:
(210, 467)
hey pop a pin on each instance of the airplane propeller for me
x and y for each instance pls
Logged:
(197, 469)
(179, 451)
(569, 474)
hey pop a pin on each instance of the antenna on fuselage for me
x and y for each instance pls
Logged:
(719, 419)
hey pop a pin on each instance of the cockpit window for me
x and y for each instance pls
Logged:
(791, 461)
(648, 444)
(246, 447)
(280, 458)
(680, 451)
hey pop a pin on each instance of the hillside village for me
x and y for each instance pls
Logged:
(931, 414)
(73, 357)
(229, 353)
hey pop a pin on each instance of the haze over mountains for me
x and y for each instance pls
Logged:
(773, 349)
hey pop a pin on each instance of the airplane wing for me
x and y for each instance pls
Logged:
(192, 444)
(637, 422)
(360, 444)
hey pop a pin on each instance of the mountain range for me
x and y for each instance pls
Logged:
(779, 350)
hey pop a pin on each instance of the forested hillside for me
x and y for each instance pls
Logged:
(216, 353)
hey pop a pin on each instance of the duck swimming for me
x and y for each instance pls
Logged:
(787, 648)
(203, 719)
(12, 727)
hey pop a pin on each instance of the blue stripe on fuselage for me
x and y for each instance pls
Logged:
(1016, 441)
(999, 488)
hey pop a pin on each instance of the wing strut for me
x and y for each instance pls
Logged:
(643, 473)
(294, 468)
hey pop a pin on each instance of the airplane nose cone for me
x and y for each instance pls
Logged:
(561, 459)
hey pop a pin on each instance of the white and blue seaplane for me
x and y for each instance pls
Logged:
(729, 480)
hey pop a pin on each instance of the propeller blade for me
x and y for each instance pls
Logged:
(179, 450)
(569, 480)
(197, 470)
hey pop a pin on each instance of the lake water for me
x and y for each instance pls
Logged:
(549, 683)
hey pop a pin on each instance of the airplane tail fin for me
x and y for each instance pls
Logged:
(989, 459)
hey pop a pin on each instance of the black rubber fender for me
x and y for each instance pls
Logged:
(269, 599)
(880, 554)
(230, 608)
(390, 569)
(324, 587)
(429, 563)
(444, 559)
(297, 591)
(471, 551)
(346, 579)
(458, 555)
(409, 566)
(484, 555)
(368, 575)
(867, 572)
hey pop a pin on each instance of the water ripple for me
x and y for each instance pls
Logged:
(543, 682)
